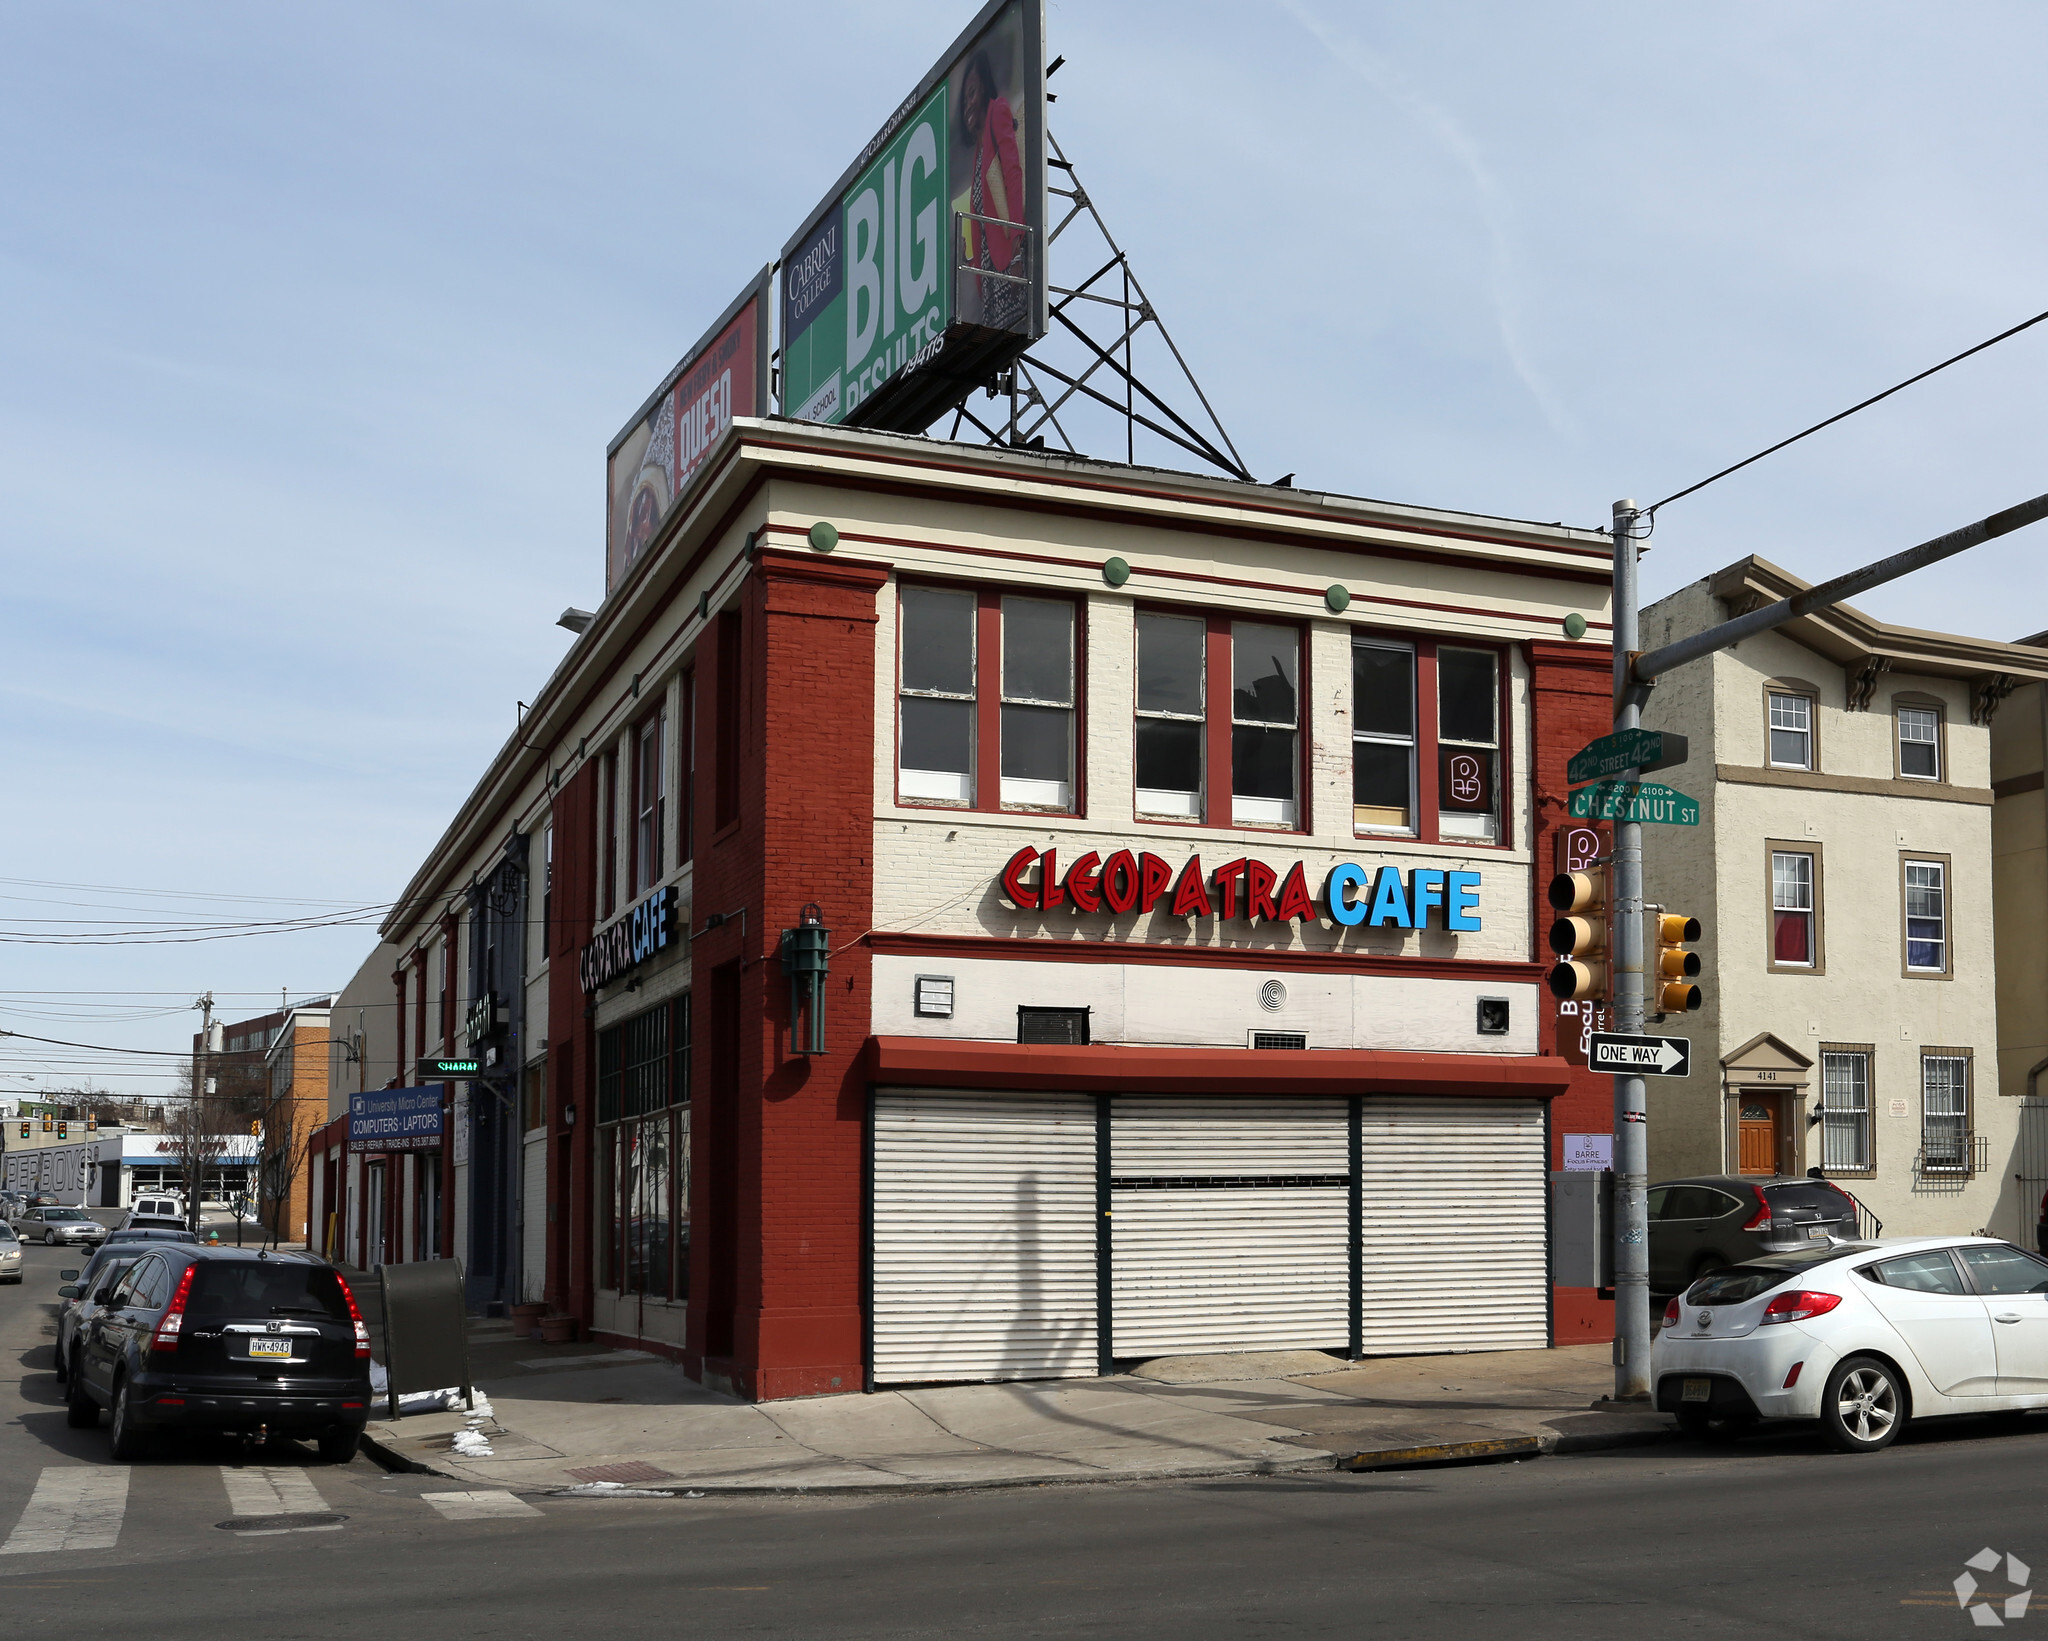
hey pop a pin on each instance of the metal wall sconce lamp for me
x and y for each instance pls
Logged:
(806, 959)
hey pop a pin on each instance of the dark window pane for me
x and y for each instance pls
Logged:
(1917, 758)
(1169, 665)
(1788, 747)
(1261, 762)
(1263, 674)
(1379, 777)
(938, 640)
(1035, 742)
(1382, 691)
(1038, 651)
(938, 734)
(1169, 755)
(1466, 694)
(1039, 1025)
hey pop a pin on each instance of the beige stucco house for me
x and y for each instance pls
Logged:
(2019, 873)
(1843, 871)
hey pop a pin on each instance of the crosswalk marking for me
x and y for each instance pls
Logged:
(490, 1504)
(73, 1508)
(271, 1490)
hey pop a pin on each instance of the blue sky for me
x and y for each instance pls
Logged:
(314, 323)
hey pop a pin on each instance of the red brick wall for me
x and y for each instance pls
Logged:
(1571, 698)
(572, 1044)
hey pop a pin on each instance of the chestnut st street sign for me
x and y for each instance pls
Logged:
(1643, 801)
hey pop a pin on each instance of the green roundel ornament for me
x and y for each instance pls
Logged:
(1115, 571)
(1338, 598)
(824, 537)
(1575, 625)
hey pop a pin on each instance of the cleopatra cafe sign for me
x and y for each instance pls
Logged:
(646, 928)
(1249, 890)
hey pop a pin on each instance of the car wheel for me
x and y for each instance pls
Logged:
(49, 1239)
(81, 1412)
(339, 1446)
(127, 1437)
(1863, 1407)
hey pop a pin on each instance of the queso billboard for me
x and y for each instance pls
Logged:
(922, 273)
(650, 465)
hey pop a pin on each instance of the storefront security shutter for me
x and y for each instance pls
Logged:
(1453, 1225)
(984, 1236)
(533, 1231)
(1229, 1225)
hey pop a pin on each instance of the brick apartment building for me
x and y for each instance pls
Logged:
(1178, 848)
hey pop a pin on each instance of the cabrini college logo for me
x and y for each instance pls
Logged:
(1984, 1614)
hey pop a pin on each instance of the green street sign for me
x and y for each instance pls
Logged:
(445, 1070)
(1643, 801)
(1643, 749)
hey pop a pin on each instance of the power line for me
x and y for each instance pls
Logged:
(1843, 415)
(172, 894)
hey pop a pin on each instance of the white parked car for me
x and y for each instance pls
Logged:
(10, 1254)
(1862, 1336)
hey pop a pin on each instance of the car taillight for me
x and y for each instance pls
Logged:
(1762, 1220)
(1671, 1314)
(355, 1316)
(172, 1322)
(1797, 1307)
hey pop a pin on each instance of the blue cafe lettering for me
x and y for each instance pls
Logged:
(647, 928)
(1249, 890)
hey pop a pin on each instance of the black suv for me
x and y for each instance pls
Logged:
(1699, 1225)
(224, 1339)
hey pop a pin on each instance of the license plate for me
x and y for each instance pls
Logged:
(270, 1347)
(1816, 1236)
(1697, 1390)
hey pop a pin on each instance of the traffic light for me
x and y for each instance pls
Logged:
(1672, 967)
(1579, 936)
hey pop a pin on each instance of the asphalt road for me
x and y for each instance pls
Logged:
(1774, 1536)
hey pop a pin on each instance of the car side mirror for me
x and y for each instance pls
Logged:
(69, 1290)
(67, 1276)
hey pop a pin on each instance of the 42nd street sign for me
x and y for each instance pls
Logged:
(1640, 1056)
(1639, 749)
(1643, 801)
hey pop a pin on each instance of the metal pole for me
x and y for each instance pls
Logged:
(195, 1163)
(1631, 1148)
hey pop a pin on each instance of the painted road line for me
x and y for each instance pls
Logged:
(492, 1504)
(271, 1490)
(74, 1508)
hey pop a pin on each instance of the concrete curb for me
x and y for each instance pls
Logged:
(391, 1459)
(1502, 1449)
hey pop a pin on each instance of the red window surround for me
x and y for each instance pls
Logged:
(1428, 811)
(988, 698)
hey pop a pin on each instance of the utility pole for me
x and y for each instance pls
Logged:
(1635, 675)
(1631, 1137)
(194, 1162)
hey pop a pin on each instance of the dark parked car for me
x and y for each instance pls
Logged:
(151, 1233)
(224, 1339)
(1700, 1225)
(75, 1299)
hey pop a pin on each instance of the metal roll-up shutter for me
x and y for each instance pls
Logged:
(984, 1236)
(533, 1230)
(1452, 1225)
(1229, 1225)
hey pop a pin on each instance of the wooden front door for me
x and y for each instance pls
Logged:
(1756, 1133)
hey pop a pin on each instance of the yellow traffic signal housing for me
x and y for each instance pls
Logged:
(1673, 968)
(1579, 935)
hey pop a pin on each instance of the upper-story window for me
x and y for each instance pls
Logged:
(1468, 742)
(1382, 736)
(1426, 739)
(1926, 887)
(1265, 723)
(1791, 730)
(1919, 743)
(986, 677)
(1188, 723)
(650, 800)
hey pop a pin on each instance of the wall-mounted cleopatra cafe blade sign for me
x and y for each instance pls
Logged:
(1244, 890)
(651, 465)
(923, 272)
(646, 928)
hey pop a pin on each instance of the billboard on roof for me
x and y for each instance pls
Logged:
(922, 273)
(650, 466)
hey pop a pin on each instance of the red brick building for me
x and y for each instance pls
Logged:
(1179, 848)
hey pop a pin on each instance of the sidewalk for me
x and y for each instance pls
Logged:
(583, 1416)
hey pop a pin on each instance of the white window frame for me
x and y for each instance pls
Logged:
(1940, 887)
(1017, 790)
(1778, 905)
(1845, 1108)
(939, 785)
(1772, 728)
(1386, 738)
(1170, 805)
(1931, 739)
(1954, 1092)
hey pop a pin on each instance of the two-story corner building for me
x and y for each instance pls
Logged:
(1159, 858)
(1842, 868)
(357, 1198)
(2019, 875)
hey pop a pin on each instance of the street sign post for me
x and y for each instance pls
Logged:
(1626, 749)
(1632, 1056)
(447, 1070)
(1641, 801)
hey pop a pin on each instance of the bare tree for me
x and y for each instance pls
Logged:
(198, 1121)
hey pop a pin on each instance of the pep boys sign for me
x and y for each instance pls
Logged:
(1351, 895)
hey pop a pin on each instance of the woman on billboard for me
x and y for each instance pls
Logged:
(996, 192)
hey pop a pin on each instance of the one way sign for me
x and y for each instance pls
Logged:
(1641, 1056)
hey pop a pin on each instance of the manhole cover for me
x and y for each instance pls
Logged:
(301, 1521)
(631, 1470)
